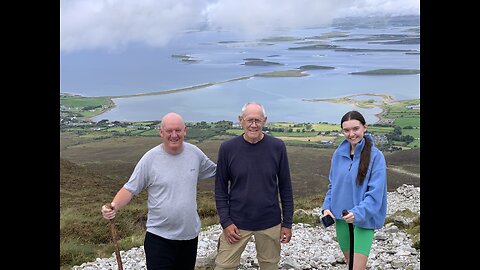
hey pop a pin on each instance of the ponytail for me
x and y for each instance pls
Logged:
(364, 161)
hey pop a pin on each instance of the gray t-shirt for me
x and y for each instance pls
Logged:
(171, 183)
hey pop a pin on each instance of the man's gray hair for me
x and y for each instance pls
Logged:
(253, 103)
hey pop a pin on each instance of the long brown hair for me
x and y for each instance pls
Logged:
(367, 149)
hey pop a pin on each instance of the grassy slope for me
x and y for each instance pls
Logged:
(116, 157)
(92, 171)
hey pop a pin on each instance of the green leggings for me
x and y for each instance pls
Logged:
(362, 238)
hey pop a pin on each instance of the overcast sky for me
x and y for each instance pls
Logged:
(113, 24)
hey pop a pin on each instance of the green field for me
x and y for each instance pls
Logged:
(406, 119)
(85, 106)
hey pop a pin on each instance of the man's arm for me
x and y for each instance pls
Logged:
(285, 189)
(122, 198)
(221, 189)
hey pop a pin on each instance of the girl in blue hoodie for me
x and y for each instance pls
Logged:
(357, 183)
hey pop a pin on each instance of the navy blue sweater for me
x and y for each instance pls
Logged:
(256, 174)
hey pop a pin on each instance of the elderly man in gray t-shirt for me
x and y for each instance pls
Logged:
(169, 172)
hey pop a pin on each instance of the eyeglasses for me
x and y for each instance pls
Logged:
(256, 121)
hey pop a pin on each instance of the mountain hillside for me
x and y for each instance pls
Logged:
(90, 175)
(77, 182)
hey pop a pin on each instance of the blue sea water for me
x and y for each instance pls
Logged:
(220, 56)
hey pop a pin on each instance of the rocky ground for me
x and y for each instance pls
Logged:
(311, 247)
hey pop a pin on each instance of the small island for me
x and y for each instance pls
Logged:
(388, 71)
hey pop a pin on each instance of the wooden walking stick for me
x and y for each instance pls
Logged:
(114, 237)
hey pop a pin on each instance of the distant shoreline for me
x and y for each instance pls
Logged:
(386, 100)
(183, 89)
(350, 99)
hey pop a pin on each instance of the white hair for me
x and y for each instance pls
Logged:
(253, 103)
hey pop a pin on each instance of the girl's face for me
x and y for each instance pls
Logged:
(353, 131)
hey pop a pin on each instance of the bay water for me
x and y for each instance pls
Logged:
(207, 56)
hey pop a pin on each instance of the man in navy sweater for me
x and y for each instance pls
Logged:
(252, 170)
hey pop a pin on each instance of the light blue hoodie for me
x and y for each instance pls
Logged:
(368, 202)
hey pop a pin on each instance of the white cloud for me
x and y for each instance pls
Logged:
(113, 24)
(376, 7)
(251, 16)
